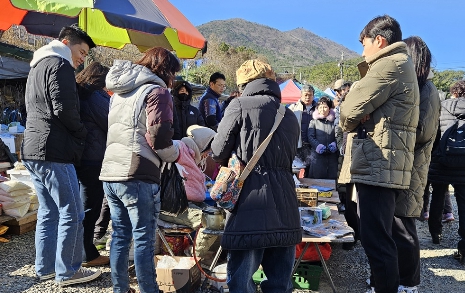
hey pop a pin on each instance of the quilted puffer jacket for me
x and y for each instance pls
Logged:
(389, 94)
(410, 201)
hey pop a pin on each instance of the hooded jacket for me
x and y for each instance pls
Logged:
(409, 203)
(139, 125)
(187, 114)
(54, 131)
(389, 94)
(266, 214)
(451, 109)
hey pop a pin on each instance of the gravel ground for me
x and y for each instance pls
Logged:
(349, 269)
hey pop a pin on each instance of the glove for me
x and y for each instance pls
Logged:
(320, 149)
(332, 147)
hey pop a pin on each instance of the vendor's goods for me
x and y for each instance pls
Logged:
(307, 197)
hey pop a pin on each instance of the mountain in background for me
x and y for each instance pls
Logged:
(297, 47)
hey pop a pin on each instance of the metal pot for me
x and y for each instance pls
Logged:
(213, 218)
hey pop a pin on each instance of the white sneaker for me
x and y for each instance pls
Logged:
(82, 275)
(371, 290)
(405, 289)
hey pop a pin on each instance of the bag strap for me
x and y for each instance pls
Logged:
(261, 149)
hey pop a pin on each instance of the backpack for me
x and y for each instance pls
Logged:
(452, 145)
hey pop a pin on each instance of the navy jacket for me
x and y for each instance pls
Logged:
(95, 105)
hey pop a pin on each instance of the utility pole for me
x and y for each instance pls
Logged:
(341, 65)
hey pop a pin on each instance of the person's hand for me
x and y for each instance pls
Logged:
(320, 149)
(332, 147)
(365, 119)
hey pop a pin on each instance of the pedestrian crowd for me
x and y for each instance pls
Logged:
(95, 144)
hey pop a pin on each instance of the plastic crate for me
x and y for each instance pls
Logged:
(306, 277)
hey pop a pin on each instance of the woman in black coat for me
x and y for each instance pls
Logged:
(94, 105)
(264, 226)
(447, 168)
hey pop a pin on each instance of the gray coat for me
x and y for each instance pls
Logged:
(266, 214)
(321, 131)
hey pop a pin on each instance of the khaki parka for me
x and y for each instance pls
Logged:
(389, 94)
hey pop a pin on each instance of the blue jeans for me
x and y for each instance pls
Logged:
(277, 263)
(59, 228)
(134, 210)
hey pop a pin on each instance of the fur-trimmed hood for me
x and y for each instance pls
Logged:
(331, 116)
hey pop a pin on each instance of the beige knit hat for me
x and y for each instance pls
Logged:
(338, 84)
(254, 69)
(198, 139)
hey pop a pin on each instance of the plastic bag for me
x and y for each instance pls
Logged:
(172, 193)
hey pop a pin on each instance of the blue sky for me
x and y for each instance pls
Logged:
(439, 22)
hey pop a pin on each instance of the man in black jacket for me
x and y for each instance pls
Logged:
(53, 141)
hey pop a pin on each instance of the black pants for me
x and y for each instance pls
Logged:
(351, 211)
(437, 205)
(426, 200)
(390, 243)
(101, 226)
(91, 189)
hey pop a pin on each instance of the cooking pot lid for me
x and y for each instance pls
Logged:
(212, 210)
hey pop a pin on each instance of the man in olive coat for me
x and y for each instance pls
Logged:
(383, 107)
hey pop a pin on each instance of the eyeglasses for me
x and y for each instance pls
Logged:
(221, 85)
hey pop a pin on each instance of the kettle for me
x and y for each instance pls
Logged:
(213, 218)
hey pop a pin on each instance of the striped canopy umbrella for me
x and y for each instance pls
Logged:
(110, 23)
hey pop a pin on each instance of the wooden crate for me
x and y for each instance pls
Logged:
(307, 197)
(18, 226)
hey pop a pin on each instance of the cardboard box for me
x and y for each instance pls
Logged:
(178, 280)
(9, 141)
(310, 216)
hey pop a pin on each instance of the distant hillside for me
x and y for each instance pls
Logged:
(295, 47)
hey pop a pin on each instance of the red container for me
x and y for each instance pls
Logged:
(175, 242)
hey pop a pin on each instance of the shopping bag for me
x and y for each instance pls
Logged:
(172, 192)
(227, 187)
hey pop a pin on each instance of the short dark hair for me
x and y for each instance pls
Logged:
(325, 100)
(421, 58)
(215, 76)
(384, 26)
(458, 89)
(161, 62)
(75, 35)
(93, 76)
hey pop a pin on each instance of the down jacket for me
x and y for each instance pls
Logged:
(139, 125)
(54, 131)
(451, 109)
(389, 94)
(409, 203)
(266, 214)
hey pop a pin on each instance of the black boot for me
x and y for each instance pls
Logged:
(436, 238)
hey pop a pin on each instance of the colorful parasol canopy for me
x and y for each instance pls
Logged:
(110, 23)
